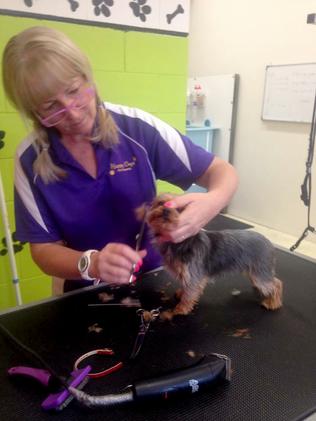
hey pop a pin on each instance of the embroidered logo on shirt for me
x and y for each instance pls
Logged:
(122, 167)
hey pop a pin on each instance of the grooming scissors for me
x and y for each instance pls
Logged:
(139, 238)
(146, 317)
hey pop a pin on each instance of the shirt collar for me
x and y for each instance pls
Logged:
(62, 156)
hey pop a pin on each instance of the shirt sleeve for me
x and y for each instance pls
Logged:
(173, 156)
(34, 223)
(181, 162)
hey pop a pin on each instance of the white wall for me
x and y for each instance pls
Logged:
(243, 37)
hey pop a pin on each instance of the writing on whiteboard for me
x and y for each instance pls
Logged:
(289, 92)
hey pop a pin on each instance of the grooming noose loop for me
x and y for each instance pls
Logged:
(103, 373)
(146, 317)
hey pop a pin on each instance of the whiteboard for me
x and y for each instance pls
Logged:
(289, 92)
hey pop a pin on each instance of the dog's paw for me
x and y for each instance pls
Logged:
(274, 301)
(179, 310)
(183, 308)
(167, 315)
(271, 303)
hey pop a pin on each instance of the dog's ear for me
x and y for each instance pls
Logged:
(140, 212)
(164, 197)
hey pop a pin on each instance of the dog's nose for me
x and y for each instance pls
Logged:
(165, 214)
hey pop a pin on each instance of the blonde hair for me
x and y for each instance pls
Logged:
(37, 63)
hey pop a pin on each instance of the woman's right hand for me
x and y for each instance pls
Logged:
(114, 263)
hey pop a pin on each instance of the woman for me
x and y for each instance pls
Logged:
(87, 165)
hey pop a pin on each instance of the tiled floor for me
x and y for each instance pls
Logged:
(307, 248)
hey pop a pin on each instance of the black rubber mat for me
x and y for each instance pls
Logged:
(273, 353)
(221, 222)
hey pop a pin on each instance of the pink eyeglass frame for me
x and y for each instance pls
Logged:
(67, 108)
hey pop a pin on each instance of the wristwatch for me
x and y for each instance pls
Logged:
(84, 265)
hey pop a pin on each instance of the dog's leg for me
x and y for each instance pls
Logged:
(274, 300)
(272, 291)
(185, 305)
(189, 296)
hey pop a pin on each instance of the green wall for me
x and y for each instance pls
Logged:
(140, 69)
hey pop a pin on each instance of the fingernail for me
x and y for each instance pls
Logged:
(138, 265)
(170, 204)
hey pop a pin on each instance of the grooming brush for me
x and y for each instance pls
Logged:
(60, 396)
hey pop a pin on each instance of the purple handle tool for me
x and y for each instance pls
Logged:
(57, 401)
(42, 376)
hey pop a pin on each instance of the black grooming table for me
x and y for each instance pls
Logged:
(273, 353)
(221, 222)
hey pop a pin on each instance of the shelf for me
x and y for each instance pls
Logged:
(202, 135)
(200, 128)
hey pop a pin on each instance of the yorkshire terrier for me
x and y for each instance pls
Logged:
(208, 254)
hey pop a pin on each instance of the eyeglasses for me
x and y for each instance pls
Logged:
(80, 100)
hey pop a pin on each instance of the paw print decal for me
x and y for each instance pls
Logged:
(2, 135)
(17, 245)
(102, 6)
(171, 16)
(73, 5)
(140, 9)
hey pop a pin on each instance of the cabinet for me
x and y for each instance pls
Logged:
(204, 137)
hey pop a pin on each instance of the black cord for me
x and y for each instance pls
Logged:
(306, 187)
(34, 354)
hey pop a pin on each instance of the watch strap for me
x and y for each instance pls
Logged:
(84, 265)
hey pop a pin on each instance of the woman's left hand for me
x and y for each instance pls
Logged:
(197, 210)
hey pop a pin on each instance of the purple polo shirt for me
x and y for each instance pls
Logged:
(88, 213)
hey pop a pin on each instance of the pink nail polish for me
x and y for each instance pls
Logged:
(170, 204)
(138, 265)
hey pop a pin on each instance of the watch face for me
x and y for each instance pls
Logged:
(83, 263)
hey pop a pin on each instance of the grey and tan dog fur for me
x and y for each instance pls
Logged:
(208, 254)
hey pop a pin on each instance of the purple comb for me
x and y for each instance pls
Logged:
(55, 401)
